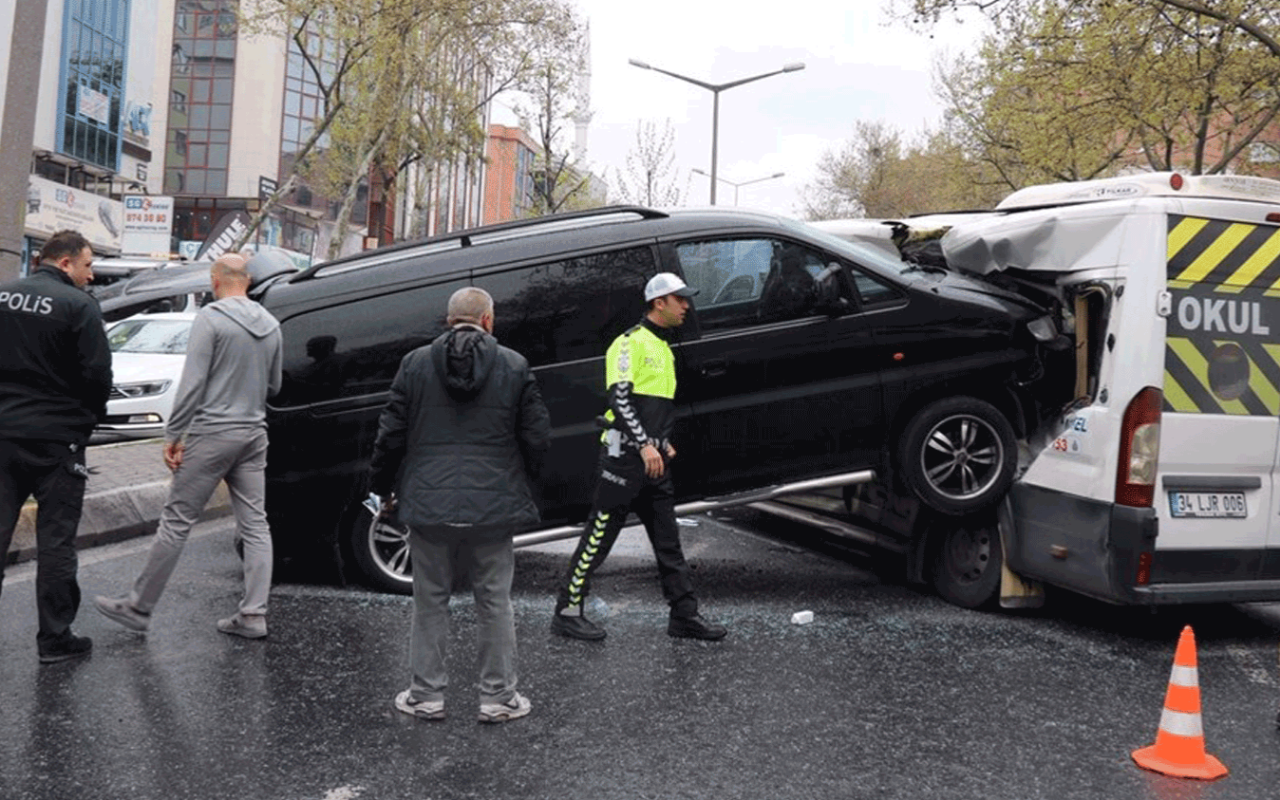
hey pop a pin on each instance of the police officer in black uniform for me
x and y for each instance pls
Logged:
(640, 376)
(55, 376)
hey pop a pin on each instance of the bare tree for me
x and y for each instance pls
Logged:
(650, 177)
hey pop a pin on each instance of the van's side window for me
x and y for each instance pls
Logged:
(569, 309)
(750, 281)
(354, 348)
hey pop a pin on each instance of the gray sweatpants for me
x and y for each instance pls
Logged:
(239, 457)
(491, 566)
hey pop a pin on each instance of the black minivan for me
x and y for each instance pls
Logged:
(805, 356)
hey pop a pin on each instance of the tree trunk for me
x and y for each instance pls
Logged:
(343, 222)
(292, 180)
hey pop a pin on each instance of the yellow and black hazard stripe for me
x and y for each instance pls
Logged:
(1221, 355)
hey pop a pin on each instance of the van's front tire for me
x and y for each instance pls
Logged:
(958, 455)
(380, 548)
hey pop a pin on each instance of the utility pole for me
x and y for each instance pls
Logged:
(17, 129)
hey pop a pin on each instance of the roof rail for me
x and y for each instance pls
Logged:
(487, 234)
(1149, 184)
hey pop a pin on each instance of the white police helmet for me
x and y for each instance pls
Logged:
(665, 283)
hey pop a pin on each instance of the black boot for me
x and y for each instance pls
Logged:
(576, 626)
(695, 627)
(65, 649)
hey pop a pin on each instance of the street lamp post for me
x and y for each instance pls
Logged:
(716, 89)
(737, 185)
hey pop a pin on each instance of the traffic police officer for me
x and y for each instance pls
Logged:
(641, 381)
(55, 375)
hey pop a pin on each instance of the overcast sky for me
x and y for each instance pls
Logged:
(858, 66)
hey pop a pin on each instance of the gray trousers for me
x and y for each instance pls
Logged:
(491, 565)
(239, 457)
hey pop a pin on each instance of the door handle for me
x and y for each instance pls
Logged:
(714, 369)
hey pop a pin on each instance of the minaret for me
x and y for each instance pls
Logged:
(582, 114)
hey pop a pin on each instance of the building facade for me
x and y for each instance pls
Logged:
(166, 109)
(97, 110)
(508, 186)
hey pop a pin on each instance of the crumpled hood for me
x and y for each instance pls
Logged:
(247, 314)
(463, 358)
(956, 282)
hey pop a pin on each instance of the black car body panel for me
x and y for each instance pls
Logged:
(765, 396)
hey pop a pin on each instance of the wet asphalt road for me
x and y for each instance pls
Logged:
(889, 693)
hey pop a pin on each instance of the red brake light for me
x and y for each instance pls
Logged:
(1143, 576)
(1175, 180)
(1139, 449)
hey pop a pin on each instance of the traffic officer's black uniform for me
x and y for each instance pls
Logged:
(641, 381)
(55, 376)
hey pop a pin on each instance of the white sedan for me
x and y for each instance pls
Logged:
(147, 354)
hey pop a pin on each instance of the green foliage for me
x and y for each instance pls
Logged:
(877, 175)
(403, 82)
(1076, 89)
(552, 99)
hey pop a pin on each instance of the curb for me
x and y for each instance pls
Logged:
(113, 515)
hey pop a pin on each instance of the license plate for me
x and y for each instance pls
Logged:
(1207, 504)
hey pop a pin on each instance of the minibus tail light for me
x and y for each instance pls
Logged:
(1139, 449)
(1143, 576)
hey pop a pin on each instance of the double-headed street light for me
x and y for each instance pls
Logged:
(738, 185)
(716, 89)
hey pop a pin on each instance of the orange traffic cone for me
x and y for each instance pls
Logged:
(1179, 747)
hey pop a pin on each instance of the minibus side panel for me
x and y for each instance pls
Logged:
(1077, 543)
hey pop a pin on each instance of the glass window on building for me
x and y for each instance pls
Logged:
(200, 91)
(303, 104)
(95, 40)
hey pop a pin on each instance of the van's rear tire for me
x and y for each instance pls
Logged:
(967, 561)
(958, 455)
(380, 548)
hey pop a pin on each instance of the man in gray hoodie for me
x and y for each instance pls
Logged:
(217, 431)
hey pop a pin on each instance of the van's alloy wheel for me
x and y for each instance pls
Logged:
(381, 550)
(958, 455)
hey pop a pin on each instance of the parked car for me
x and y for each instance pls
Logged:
(180, 286)
(110, 272)
(147, 354)
(805, 357)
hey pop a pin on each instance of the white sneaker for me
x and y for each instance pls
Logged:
(422, 709)
(515, 708)
(250, 627)
(119, 610)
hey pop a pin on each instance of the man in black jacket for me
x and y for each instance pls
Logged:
(55, 375)
(465, 431)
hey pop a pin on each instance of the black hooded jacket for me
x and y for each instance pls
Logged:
(55, 367)
(462, 437)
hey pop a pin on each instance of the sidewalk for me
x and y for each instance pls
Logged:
(128, 484)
